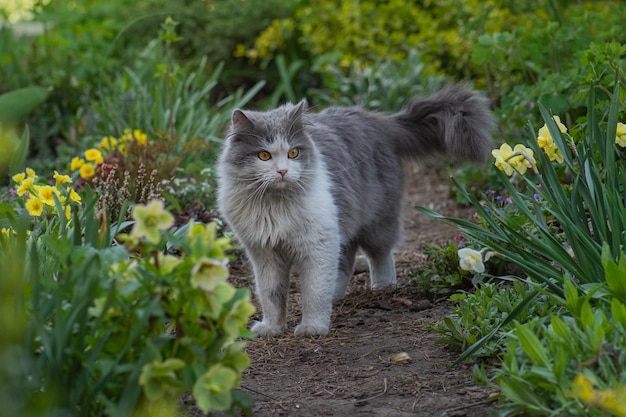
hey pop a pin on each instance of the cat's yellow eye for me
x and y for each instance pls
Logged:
(265, 156)
(293, 152)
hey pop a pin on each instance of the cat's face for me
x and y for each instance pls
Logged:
(269, 151)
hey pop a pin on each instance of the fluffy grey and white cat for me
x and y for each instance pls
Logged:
(304, 191)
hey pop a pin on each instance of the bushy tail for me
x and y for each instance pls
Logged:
(455, 121)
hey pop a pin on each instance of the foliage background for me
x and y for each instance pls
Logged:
(106, 67)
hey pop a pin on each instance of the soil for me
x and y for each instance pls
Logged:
(380, 359)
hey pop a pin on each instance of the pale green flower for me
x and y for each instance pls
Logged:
(158, 377)
(166, 263)
(207, 273)
(150, 220)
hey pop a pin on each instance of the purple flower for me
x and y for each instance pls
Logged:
(537, 197)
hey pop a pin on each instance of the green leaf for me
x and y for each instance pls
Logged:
(519, 391)
(614, 273)
(618, 311)
(531, 344)
(572, 299)
(20, 152)
(559, 327)
(17, 104)
(587, 319)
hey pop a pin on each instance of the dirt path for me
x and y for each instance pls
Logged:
(380, 358)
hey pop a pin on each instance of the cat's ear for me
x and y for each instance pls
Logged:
(295, 115)
(300, 109)
(240, 121)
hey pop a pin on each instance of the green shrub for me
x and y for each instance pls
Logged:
(110, 329)
(475, 314)
(386, 86)
(521, 52)
(568, 365)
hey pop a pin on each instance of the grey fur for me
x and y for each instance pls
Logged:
(342, 192)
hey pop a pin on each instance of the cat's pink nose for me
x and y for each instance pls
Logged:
(282, 172)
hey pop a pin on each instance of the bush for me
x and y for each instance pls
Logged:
(109, 329)
(516, 51)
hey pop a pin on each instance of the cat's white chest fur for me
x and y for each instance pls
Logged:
(272, 220)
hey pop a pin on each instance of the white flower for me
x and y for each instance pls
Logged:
(471, 260)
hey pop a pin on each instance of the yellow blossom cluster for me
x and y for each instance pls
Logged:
(88, 164)
(8, 232)
(545, 141)
(509, 160)
(521, 158)
(612, 401)
(40, 196)
(111, 144)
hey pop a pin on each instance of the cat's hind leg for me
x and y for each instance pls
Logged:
(346, 270)
(378, 245)
(382, 270)
(272, 289)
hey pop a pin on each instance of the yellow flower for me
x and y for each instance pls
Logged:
(68, 212)
(502, 155)
(74, 195)
(150, 219)
(523, 160)
(545, 141)
(127, 137)
(34, 206)
(30, 173)
(61, 179)
(19, 177)
(7, 231)
(46, 194)
(510, 159)
(25, 186)
(140, 137)
(107, 143)
(94, 155)
(612, 401)
(77, 162)
(87, 171)
(620, 135)
(122, 148)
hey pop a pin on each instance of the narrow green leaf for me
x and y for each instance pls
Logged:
(20, 153)
(572, 300)
(531, 345)
(618, 311)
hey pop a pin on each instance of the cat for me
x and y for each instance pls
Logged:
(305, 190)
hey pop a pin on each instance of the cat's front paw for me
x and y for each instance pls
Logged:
(263, 329)
(311, 329)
